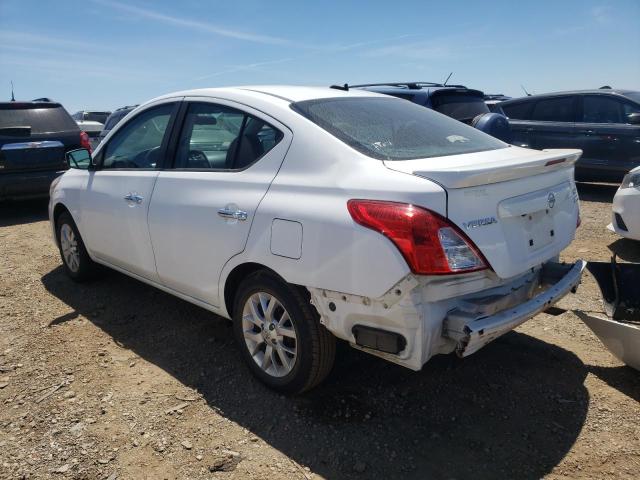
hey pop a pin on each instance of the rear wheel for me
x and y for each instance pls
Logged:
(280, 335)
(75, 258)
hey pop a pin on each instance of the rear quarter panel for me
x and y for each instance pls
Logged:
(315, 182)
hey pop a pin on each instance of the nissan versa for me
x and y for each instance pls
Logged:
(310, 214)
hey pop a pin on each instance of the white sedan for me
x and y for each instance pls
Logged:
(626, 207)
(310, 214)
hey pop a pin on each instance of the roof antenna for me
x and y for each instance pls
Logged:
(445, 82)
(13, 98)
(525, 90)
(344, 87)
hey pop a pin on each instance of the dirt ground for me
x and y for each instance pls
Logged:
(115, 379)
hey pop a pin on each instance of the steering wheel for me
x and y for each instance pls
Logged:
(197, 159)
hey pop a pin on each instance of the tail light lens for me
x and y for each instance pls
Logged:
(84, 141)
(430, 243)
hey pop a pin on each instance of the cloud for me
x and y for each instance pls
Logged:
(416, 51)
(7, 37)
(601, 14)
(239, 68)
(192, 24)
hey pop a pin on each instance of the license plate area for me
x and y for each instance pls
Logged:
(538, 230)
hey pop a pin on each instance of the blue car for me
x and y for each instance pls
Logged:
(457, 101)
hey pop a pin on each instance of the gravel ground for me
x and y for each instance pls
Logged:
(115, 379)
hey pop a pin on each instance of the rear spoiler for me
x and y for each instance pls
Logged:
(499, 166)
(15, 131)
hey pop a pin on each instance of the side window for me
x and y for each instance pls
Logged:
(628, 109)
(558, 109)
(517, 111)
(601, 109)
(138, 143)
(222, 138)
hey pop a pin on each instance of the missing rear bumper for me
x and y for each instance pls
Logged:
(472, 328)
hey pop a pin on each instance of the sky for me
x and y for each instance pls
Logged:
(103, 54)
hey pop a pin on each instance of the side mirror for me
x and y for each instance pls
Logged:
(634, 118)
(80, 159)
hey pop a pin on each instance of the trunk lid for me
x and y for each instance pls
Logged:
(518, 206)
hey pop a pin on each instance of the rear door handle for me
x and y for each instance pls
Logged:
(587, 132)
(234, 214)
(133, 198)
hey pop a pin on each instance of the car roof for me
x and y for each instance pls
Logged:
(413, 87)
(28, 104)
(274, 93)
(601, 91)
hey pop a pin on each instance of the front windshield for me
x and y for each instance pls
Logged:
(393, 129)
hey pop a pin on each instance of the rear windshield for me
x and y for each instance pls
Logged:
(461, 106)
(41, 119)
(392, 129)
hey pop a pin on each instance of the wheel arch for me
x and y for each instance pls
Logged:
(235, 278)
(58, 210)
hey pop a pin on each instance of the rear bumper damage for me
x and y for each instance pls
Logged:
(472, 330)
(423, 316)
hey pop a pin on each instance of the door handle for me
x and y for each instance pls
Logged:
(587, 132)
(234, 214)
(134, 198)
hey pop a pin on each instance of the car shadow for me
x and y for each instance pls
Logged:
(21, 212)
(625, 249)
(597, 192)
(514, 409)
(624, 379)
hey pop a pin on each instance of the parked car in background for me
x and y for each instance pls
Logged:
(626, 207)
(113, 119)
(603, 123)
(34, 137)
(493, 101)
(91, 116)
(422, 235)
(456, 101)
(91, 122)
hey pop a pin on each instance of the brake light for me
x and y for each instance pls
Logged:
(84, 141)
(430, 243)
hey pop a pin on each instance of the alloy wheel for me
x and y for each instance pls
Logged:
(269, 334)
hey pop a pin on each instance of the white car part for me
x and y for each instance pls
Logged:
(424, 316)
(626, 207)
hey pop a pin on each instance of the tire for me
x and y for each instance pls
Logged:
(292, 313)
(75, 259)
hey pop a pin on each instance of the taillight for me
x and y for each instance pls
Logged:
(430, 243)
(84, 141)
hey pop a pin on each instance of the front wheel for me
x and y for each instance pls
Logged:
(75, 258)
(280, 334)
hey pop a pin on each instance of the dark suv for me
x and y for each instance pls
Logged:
(457, 101)
(113, 119)
(34, 137)
(604, 123)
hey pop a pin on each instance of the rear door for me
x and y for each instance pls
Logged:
(115, 201)
(553, 122)
(226, 157)
(610, 145)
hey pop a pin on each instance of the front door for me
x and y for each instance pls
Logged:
(202, 209)
(118, 192)
(610, 145)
